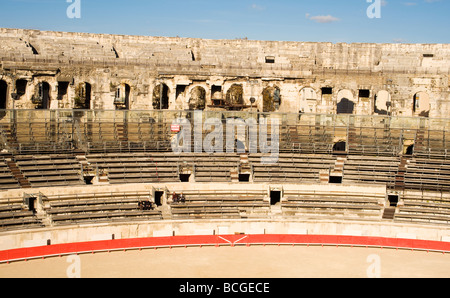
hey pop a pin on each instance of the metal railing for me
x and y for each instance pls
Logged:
(30, 131)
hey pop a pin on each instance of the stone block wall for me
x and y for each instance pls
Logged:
(396, 79)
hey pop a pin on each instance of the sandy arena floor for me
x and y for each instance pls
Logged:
(240, 262)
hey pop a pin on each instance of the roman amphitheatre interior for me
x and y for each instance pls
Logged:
(117, 146)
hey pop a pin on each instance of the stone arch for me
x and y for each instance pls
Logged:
(127, 88)
(340, 146)
(83, 96)
(197, 99)
(421, 104)
(382, 102)
(161, 100)
(122, 97)
(41, 97)
(3, 94)
(410, 150)
(235, 95)
(21, 87)
(88, 88)
(308, 100)
(271, 99)
(345, 103)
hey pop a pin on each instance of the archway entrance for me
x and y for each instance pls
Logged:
(271, 99)
(122, 97)
(421, 104)
(87, 103)
(340, 147)
(345, 106)
(83, 96)
(410, 150)
(275, 197)
(197, 101)
(382, 103)
(235, 97)
(345, 103)
(21, 87)
(3, 94)
(308, 100)
(42, 98)
(161, 97)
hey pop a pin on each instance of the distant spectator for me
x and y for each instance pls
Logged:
(174, 198)
(145, 205)
(182, 198)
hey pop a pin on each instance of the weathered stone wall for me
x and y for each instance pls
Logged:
(401, 79)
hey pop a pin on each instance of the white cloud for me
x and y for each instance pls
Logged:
(257, 7)
(323, 19)
(400, 40)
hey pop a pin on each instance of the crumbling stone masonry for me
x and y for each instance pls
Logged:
(57, 70)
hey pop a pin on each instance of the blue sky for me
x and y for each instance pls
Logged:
(408, 21)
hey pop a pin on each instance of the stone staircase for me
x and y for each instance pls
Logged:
(17, 173)
(121, 132)
(244, 164)
(244, 168)
(338, 169)
(400, 177)
(389, 213)
(87, 170)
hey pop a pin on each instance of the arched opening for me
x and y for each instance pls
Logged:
(161, 97)
(21, 87)
(63, 87)
(244, 177)
(159, 197)
(127, 96)
(217, 96)
(271, 99)
(393, 200)
(275, 197)
(185, 178)
(410, 150)
(382, 103)
(87, 103)
(308, 100)
(197, 101)
(421, 104)
(340, 147)
(235, 97)
(3, 94)
(345, 104)
(122, 97)
(327, 91)
(41, 98)
(83, 96)
(363, 93)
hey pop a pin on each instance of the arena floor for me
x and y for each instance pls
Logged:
(239, 262)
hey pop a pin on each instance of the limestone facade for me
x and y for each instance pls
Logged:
(59, 70)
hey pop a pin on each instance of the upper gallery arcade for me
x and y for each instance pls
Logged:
(58, 70)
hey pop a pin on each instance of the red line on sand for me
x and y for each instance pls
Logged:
(222, 240)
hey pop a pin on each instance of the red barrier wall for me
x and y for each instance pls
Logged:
(219, 240)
